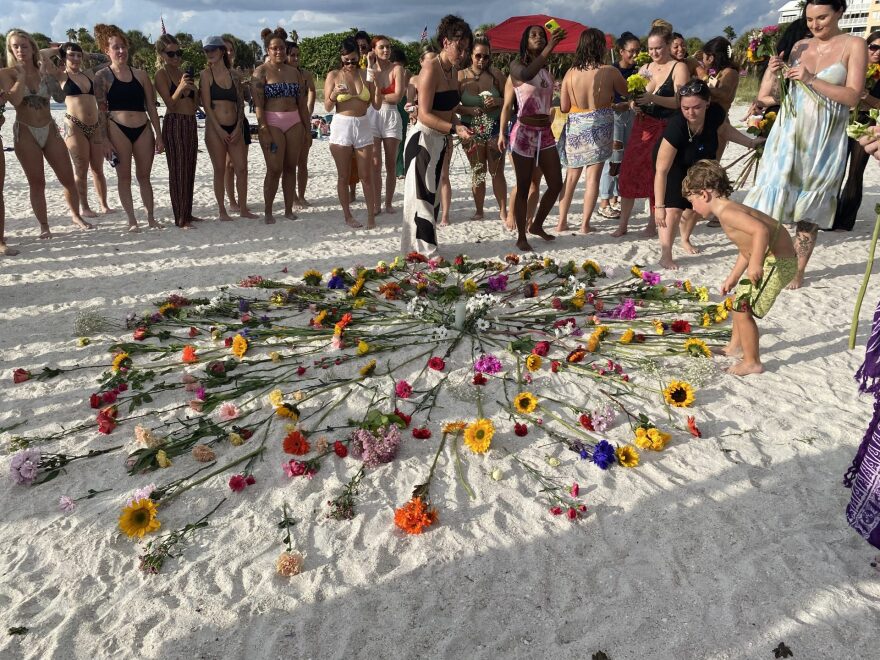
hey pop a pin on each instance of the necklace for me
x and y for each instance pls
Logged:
(446, 73)
(693, 134)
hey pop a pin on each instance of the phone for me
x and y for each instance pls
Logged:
(551, 25)
(113, 160)
(189, 71)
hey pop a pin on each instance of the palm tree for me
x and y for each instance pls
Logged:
(71, 34)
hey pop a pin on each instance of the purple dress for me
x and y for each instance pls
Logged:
(863, 512)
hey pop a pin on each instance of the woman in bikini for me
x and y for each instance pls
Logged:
(282, 117)
(390, 88)
(531, 140)
(179, 131)
(588, 91)
(348, 91)
(224, 107)
(127, 98)
(656, 105)
(302, 166)
(482, 89)
(34, 132)
(5, 250)
(81, 131)
(229, 181)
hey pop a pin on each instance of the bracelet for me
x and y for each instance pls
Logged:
(660, 206)
(452, 128)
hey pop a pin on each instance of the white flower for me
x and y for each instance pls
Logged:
(440, 333)
(483, 325)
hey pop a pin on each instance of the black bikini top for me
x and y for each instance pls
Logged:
(223, 93)
(172, 87)
(70, 88)
(667, 89)
(126, 95)
(446, 100)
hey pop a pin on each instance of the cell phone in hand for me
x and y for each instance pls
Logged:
(189, 71)
(113, 160)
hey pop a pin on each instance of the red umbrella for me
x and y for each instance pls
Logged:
(505, 36)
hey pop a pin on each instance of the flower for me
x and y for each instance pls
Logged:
(636, 272)
(586, 421)
(497, 283)
(497, 474)
(276, 398)
(139, 518)
(121, 361)
(145, 437)
(140, 333)
(469, 286)
(478, 436)
(235, 439)
(66, 504)
(541, 348)
(681, 326)
(520, 429)
(659, 326)
(575, 489)
(577, 355)
(679, 394)
(627, 336)
(533, 362)
(454, 427)
(604, 455)
(107, 419)
(228, 411)
(627, 456)
(437, 364)
(375, 447)
(238, 482)
(651, 438)
(162, 459)
(525, 403)
(20, 375)
(480, 379)
(421, 433)
(295, 443)
(203, 454)
(692, 427)
(294, 468)
(24, 466)
(340, 449)
(189, 354)
(403, 417)
(488, 364)
(312, 277)
(653, 279)
(368, 369)
(403, 390)
(697, 348)
(363, 347)
(415, 517)
(289, 564)
(239, 346)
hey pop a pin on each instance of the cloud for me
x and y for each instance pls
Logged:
(403, 19)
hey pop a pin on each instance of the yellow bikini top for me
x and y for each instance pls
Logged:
(363, 96)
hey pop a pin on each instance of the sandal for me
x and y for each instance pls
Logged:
(615, 206)
(608, 212)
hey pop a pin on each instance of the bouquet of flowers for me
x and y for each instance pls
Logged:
(759, 126)
(762, 44)
(642, 58)
(636, 85)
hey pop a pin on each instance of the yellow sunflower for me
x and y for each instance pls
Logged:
(679, 394)
(469, 286)
(706, 322)
(288, 411)
(578, 299)
(120, 360)
(533, 362)
(696, 348)
(627, 336)
(703, 294)
(478, 436)
(687, 286)
(658, 326)
(363, 347)
(355, 290)
(239, 346)
(590, 265)
(139, 518)
(627, 456)
(312, 277)
(525, 403)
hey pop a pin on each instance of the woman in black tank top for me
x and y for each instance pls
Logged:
(126, 97)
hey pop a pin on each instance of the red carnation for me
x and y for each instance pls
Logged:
(586, 421)
(541, 348)
(109, 396)
(122, 387)
(237, 483)
(95, 400)
(20, 375)
(193, 331)
(480, 379)
(107, 419)
(520, 429)
(556, 303)
(421, 433)
(300, 371)
(227, 342)
(437, 364)
(681, 326)
(246, 434)
(403, 416)
(556, 510)
(340, 449)
(554, 366)
(140, 333)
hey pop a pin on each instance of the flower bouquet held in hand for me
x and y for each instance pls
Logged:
(759, 126)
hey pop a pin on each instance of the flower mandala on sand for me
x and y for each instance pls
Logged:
(679, 394)
(525, 403)
(478, 436)
(415, 517)
(139, 518)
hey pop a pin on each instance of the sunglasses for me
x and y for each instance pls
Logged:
(874, 48)
(349, 62)
(175, 53)
(480, 56)
(693, 88)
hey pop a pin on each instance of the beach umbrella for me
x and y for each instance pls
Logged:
(505, 36)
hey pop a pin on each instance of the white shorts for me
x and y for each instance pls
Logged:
(388, 122)
(349, 131)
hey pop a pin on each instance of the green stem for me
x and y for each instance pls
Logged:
(219, 470)
(868, 268)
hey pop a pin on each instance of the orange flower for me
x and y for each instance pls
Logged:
(692, 427)
(342, 323)
(415, 517)
(295, 443)
(577, 355)
(189, 354)
(391, 290)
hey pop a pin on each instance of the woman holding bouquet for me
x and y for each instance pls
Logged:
(658, 103)
(805, 156)
(482, 86)
(850, 198)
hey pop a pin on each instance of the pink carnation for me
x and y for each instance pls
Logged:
(228, 411)
(403, 390)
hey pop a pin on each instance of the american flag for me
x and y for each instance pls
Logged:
(424, 36)
(162, 21)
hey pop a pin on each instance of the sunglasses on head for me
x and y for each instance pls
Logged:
(874, 48)
(693, 88)
(174, 53)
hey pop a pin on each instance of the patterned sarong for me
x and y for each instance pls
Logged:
(423, 163)
(586, 138)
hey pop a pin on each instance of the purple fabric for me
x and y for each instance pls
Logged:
(863, 512)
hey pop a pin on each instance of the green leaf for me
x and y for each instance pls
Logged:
(18, 630)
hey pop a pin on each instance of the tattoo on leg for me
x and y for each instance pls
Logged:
(805, 238)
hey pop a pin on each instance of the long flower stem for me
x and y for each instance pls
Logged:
(868, 268)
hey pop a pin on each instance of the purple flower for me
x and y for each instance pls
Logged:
(651, 278)
(625, 310)
(243, 306)
(375, 448)
(580, 449)
(487, 364)
(201, 394)
(141, 494)
(66, 504)
(24, 466)
(603, 454)
(336, 282)
(498, 283)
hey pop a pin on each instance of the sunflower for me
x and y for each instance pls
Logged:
(591, 266)
(578, 299)
(525, 403)
(478, 436)
(312, 277)
(533, 362)
(706, 321)
(355, 290)
(239, 346)
(679, 394)
(288, 411)
(636, 272)
(601, 331)
(139, 518)
(627, 336)
(121, 360)
(696, 348)
(627, 456)
(469, 286)
(593, 343)
(687, 286)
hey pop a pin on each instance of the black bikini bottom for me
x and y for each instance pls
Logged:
(131, 133)
(228, 129)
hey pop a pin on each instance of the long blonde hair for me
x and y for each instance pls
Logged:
(35, 50)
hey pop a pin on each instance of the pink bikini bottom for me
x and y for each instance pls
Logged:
(283, 121)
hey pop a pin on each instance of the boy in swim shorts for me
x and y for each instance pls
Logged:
(766, 258)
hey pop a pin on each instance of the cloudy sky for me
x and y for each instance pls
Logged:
(403, 19)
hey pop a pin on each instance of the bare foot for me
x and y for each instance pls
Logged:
(195, 219)
(649, 232)
(290, 215)
(224, 216)
(106, 209)
(7, 251)
(88, 213)
(351, 222)
(586, 229)
(729, 351)
(152, 224)
(444, 223)
(668, 263)
(303, 204)
(378, 211)
(247, 213)
(187, 226)
(269, 219)
(745, 368)
(539, 231)
(561, 227)
(689, 248)
(796, 283)
(620, 231)
(234, 207)
(509, 225)
(476, 216)
(524, 246)
(82, 224)
(371, 223)
(390, 209)
(133, 228)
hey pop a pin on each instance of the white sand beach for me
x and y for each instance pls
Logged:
(719, 547)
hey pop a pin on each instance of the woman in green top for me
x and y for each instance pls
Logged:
(481, 96)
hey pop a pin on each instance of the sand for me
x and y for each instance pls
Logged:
(715, 548)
